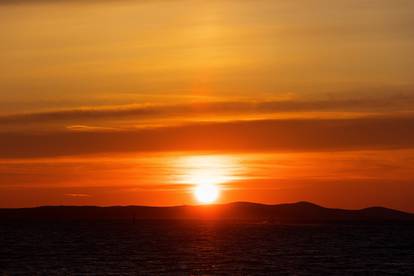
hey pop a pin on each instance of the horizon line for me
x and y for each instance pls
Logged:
(205, 205)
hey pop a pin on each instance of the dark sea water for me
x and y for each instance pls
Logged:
(203, 248)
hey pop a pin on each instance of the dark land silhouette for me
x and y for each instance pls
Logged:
(300, 212)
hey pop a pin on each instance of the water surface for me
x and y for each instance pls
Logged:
(203, 248)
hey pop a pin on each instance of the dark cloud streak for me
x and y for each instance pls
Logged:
(243, 136)
(393, 104)
(26, 2)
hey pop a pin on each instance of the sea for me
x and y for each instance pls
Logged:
(204, 248)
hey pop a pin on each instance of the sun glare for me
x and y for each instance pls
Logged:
(206, 174)
(206, 193)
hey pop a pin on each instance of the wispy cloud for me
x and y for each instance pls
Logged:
(77, 195)
(90, 128)
(16, 2)
(261, 135)
(79, 116)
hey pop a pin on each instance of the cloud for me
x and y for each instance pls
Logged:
(77, 195)
(79, 116)
(18, 2)
(243, 136)
(89, 128)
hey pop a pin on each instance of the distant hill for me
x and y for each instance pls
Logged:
(300, 212)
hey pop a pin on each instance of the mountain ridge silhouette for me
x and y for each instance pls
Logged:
(299, 212)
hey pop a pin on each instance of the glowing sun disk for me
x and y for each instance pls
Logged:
(206, 174)
(206, 193)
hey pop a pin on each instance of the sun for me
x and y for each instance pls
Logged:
(206, 175)
(206, 193)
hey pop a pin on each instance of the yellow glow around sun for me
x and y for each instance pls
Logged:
(206, 173)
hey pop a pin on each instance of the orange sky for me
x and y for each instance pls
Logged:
(136, 102)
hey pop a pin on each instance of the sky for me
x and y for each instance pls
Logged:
(136, 102)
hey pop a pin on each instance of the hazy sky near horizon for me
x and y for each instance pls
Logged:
(100, 101)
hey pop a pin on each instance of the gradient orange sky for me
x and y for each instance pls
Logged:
(134, 102)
